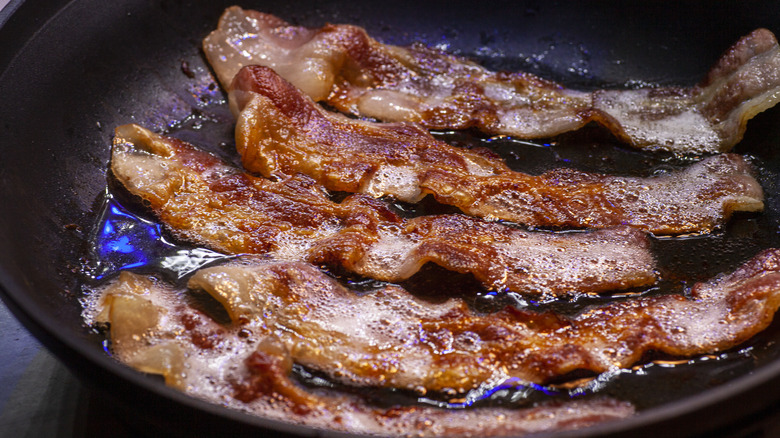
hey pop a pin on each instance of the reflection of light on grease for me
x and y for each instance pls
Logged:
(511, 390)
(121, 244)
(515, 391)
(123, 240)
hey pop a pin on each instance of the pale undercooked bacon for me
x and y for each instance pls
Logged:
(245, 366)
(202, 199)
(389, 338)
(342, 65)
(281, 131)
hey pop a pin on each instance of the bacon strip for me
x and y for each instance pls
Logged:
(389, 338)
(281, 131)
(206, 201)
(343, 66)
(155, 330)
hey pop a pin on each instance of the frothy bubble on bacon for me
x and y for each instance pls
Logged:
(343, 66)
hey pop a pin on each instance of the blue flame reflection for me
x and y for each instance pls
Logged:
(512, 390)
(123, 240)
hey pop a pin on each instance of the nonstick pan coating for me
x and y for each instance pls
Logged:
(72, 71)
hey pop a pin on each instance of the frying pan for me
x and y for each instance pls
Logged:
(70, 71)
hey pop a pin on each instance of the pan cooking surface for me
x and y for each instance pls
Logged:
(140, 62)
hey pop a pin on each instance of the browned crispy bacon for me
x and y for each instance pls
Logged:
(290, 312)
(280, 131)
(342, 65)
(248, 367)
(202, 199)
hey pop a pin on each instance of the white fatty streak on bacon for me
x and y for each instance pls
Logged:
(388, 338)
(281, 131)
(250, 38)
(246, 366)
(203, 200)
(342, 65)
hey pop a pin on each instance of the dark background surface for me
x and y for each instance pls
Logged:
(40, 397)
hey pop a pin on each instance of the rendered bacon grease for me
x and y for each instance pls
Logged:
(280, 131)
(206, 201)
(343, 66)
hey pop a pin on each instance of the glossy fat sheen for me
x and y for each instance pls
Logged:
(280, 131)
(342, 65)
(247, 365)
(201, 199)
(290, 312)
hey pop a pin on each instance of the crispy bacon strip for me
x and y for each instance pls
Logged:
(342, 65)
(389, 338)
(204, 200)
(155, 330)
(282, 131)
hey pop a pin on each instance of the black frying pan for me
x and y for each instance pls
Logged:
(71, 71)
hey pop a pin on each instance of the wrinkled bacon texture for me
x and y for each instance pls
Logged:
(290, 312)
(396, 340)
(206, 201)
(250, 367)
(343, 66)
(281, 131)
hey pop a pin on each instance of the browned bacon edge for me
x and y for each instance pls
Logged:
(344, 66)
(203, 200)
(281, 131)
